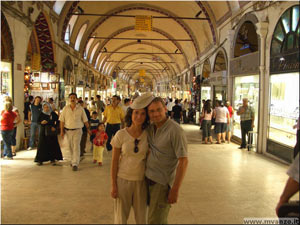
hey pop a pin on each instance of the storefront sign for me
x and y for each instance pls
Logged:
(246, 64)
(143, 23)
(218, 78)
(285, 63)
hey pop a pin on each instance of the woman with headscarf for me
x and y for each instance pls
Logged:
(48, 147)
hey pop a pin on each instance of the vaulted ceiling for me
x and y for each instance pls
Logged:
(181, 32)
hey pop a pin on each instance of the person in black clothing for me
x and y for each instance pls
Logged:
(27, 107)
(176, 112)
(48, 147)
(84, 130)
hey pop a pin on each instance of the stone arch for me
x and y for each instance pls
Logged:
(250, 18)
(221, 61)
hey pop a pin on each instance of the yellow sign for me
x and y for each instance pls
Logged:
(36, 62)
(142, 73)
(143, 23)
(142, 80)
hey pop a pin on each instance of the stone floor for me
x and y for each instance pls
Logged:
(223, 184)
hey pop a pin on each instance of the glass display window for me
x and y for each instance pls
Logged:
(205, 93)
(79, 92)
(284, 108)
(5, 80)
(245, 87)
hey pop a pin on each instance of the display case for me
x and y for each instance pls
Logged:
(284, 108)
(245, 87)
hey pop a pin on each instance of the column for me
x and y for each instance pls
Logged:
(229, 44)
(262, 30)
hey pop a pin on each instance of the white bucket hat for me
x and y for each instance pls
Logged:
(142, 101)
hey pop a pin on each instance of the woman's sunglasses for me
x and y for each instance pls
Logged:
(136, 148)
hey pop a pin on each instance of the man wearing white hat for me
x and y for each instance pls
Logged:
(166, 162)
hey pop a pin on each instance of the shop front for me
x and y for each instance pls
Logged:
(245, 87)
(45, 85)
(284, 85)
(5, 80)
(244, 72)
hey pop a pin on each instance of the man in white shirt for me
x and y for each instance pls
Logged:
(72, 119)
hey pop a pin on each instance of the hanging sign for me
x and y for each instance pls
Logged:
(143, 23)
(142, 73)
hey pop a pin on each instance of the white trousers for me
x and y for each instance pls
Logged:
(130, 193)
(74, 138)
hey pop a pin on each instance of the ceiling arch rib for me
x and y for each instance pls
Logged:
(140, 44)
(145, 7)
(123, 30)
(128, 56)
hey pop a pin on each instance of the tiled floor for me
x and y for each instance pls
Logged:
(223, 185)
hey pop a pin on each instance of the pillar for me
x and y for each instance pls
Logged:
(262, 30)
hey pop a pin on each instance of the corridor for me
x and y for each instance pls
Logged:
(223, 184)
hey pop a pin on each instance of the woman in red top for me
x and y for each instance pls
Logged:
(7, 128)
(230, 125)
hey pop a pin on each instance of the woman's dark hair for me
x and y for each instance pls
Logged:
(207, 107)
(128, 119)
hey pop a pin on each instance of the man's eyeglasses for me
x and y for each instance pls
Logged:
(136, 148)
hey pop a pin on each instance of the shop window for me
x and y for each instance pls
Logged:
(284, 108)
(79, 37)
(284, 84)
(245, 87)
(286, 34)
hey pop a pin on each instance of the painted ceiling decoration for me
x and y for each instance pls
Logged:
(181, 33)
(45, 43)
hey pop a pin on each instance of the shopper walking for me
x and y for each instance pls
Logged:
(35, 110)
(130, 148)
(114, 117)
(176, 113)
(206, 122)
(166, 163)
(7, 128)
(72, 119)
(221, 115)
(247, 115)
(84, 130)
(229, 128)
(17, 121)
(48, 148)
(100, 107)
(99, 142)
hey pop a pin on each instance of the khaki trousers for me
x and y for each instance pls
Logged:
(159, 207)
(74, 138)
(130, 193)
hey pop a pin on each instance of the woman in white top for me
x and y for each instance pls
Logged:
(221, 114)
(130, 148)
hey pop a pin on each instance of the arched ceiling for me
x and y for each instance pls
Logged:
(173, 45)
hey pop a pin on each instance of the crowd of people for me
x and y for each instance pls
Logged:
(149, 147)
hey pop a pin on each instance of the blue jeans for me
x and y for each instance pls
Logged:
(33, 127)
(7, 136)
